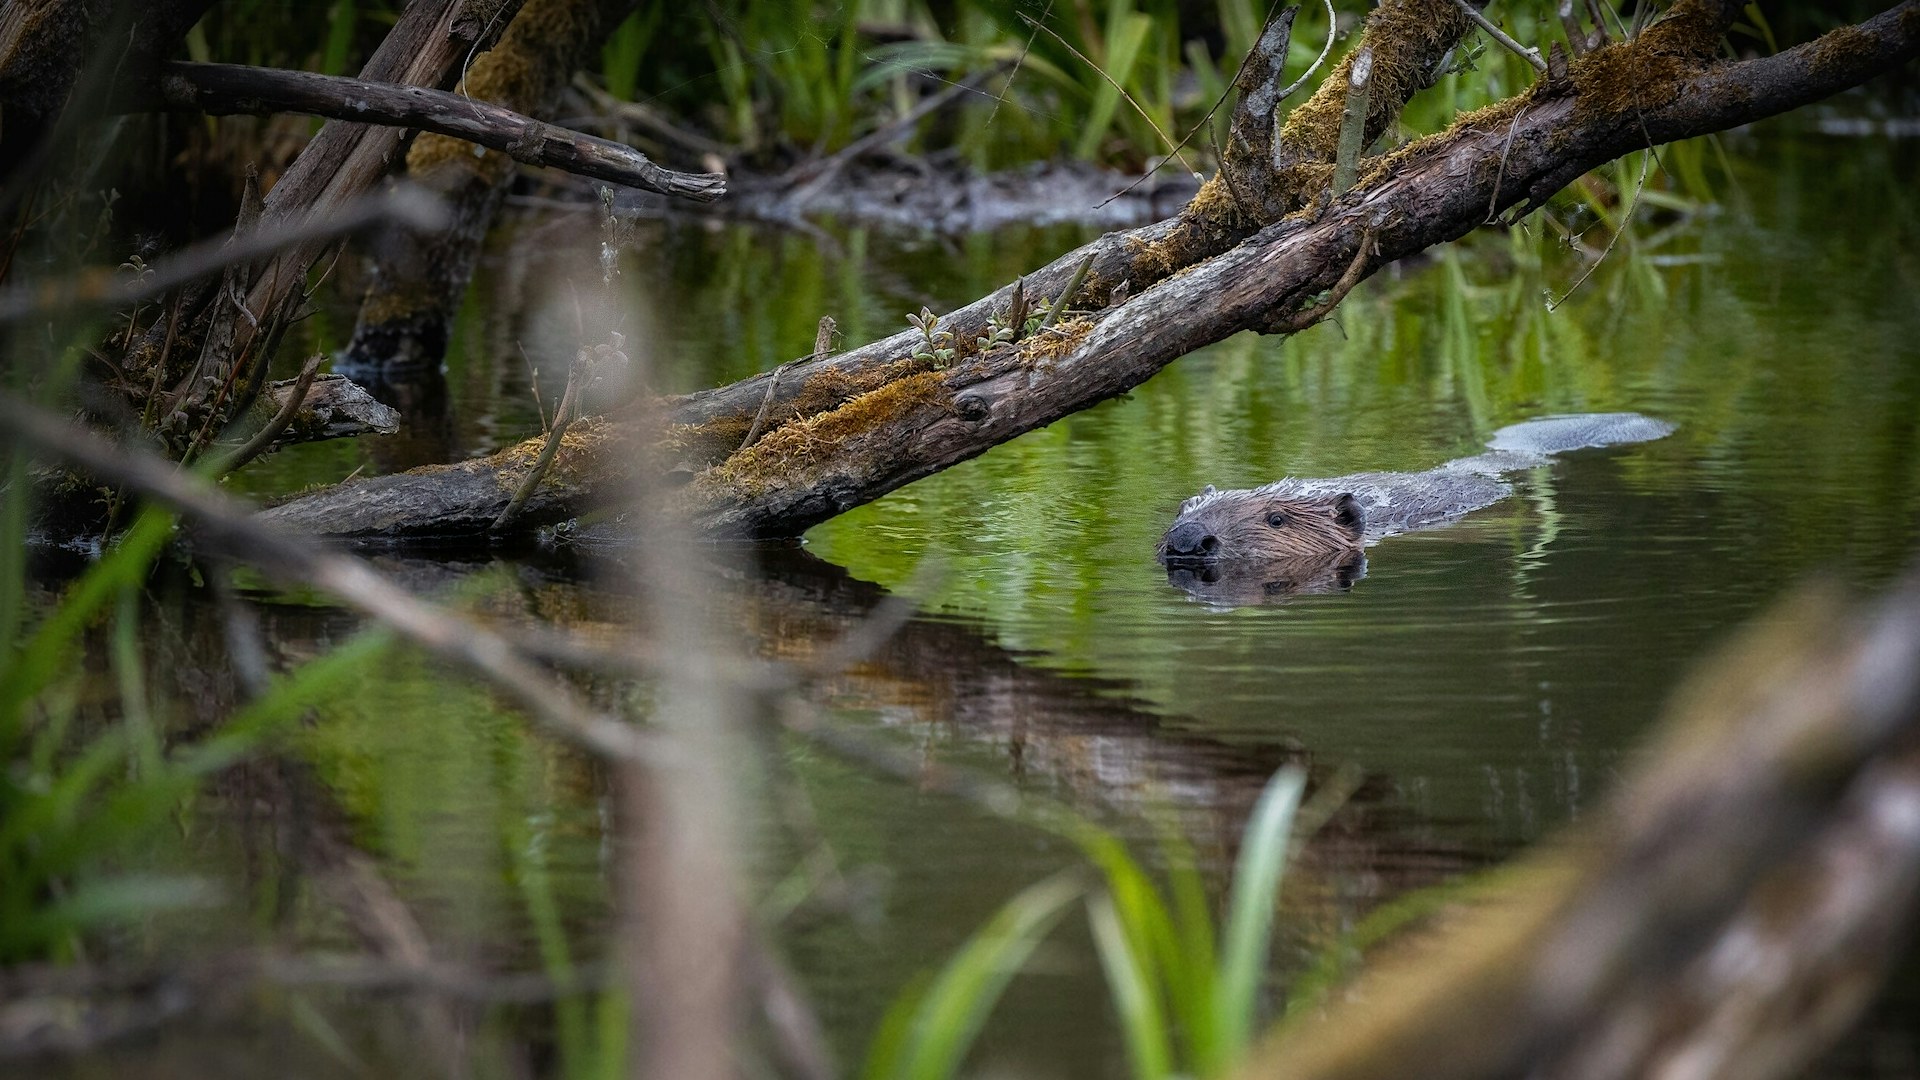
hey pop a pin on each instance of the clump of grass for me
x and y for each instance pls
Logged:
(1187, 993)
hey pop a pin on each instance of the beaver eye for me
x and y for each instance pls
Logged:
(1275, 519)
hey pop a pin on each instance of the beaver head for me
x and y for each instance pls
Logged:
(1264, 524)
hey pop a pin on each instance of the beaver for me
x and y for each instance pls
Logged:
(1295, 536)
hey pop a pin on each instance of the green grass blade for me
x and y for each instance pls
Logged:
(27, 673)
(890, 1039)
(1256, 879)
(1142, 1021)
(1106, 96)
(957, 1003)
(333, 58)
(1190, 986)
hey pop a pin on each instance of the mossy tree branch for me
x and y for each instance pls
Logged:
(855, 432)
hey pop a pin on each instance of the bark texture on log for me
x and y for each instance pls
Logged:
(866, 423)
(460, 502)
(1213, 222)
(335, 407)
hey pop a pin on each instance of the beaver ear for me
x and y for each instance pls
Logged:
(1205, 493)
(1351, 571)
(1348, 515)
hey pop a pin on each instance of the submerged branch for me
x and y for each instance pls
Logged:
(222, 89)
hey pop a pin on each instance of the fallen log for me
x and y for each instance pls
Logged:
(854, 427)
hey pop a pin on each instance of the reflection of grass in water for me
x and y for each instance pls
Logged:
(1187, 993)
(83, 805)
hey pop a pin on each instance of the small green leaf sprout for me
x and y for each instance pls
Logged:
(938, 350)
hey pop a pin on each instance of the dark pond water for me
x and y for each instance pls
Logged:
(1484, 683)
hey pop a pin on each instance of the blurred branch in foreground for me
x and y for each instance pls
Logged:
(1730, 914)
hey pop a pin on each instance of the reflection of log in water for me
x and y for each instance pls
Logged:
(965, 700)
(1087, 741)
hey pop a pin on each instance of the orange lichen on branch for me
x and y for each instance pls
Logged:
(1837, 47)
(1623, 76)
(1056, 342)
(803, 446)
(1486, 117)
(835, 387)
(1690, 28)
(1215, 205)
(705, 442)
(580, 460)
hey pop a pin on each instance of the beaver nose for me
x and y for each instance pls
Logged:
(1191, 538)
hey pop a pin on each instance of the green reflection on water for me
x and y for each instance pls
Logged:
(1488, 678)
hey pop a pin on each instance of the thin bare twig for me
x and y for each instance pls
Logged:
(1355, 271)
(1067, 294)
(1506, 148)
(1206, 122)
(1530, 55)
(821, 173)
(1626, 222)
(1353, 121)
(1173, 148)
(232, 88)
(1333, 28)
(822, 345)
(562, 419)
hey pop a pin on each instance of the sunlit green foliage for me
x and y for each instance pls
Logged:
(1177, 983)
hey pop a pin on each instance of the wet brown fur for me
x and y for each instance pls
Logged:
(1254, 524)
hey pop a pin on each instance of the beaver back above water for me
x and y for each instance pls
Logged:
(1328, 521)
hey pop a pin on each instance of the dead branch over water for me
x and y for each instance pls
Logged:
(853, 427)
(225, 89)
